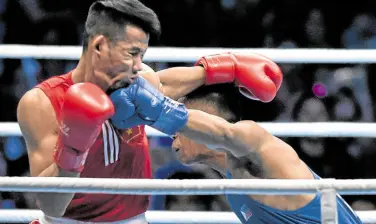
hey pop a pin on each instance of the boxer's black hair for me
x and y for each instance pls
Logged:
(110, 18)
(223, 97)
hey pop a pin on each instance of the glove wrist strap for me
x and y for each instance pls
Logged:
(219, 68)
(69, 159)
(174, 116)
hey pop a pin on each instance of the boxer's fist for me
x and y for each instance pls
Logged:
(258, 77)
(142, 104)
(86, 107)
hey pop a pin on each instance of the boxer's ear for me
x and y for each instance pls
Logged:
(99, 45)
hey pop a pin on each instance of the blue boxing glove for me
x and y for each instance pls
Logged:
(142, 104)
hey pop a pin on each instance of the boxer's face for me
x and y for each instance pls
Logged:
(190, 152)
(116, 63)
(313, 110)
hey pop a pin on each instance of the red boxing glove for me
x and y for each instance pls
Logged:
(86, 107)
(258, 77)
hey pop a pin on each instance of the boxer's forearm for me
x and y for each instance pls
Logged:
(55, 204)
(240, 139)
(179, 81)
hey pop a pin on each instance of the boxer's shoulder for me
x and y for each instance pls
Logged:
(53, 91)
(64, 80)
(35, 113)
(34, 99)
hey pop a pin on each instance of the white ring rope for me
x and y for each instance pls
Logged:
(185, 187)
(288, 129)
(171, 54)
(167, 217)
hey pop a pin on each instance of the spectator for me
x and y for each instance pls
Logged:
(312, 150)
(361, 33)
(315, 30)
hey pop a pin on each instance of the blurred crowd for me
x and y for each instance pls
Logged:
(310, 92)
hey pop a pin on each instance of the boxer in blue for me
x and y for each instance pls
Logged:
(209, 130)
(248, 151)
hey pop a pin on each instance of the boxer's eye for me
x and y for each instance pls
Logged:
(133, 53)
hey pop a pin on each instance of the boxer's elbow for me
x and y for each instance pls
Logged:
(49, 206)
(52, 211)
(55, 204)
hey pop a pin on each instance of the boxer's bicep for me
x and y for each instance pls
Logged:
(38, 125)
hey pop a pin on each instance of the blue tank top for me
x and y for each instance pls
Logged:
(250, 211)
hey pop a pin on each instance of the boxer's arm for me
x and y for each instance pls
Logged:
(150, 75)
(180, 81)
(175, 82)
(246, 139)
(39, 126)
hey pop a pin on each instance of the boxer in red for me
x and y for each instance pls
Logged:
(67, 120)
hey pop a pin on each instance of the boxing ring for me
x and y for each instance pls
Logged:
(327, 187)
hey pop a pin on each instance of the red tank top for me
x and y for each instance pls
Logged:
(111, 156)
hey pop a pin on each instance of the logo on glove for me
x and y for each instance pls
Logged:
(64, 129)
(154, 101)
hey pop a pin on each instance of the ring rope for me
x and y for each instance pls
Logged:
(167, 217)
(185, 187)
(288, 129)
(175, 54)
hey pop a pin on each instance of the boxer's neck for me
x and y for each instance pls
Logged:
(78, 74)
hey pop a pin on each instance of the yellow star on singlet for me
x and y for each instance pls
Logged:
(129, 131)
